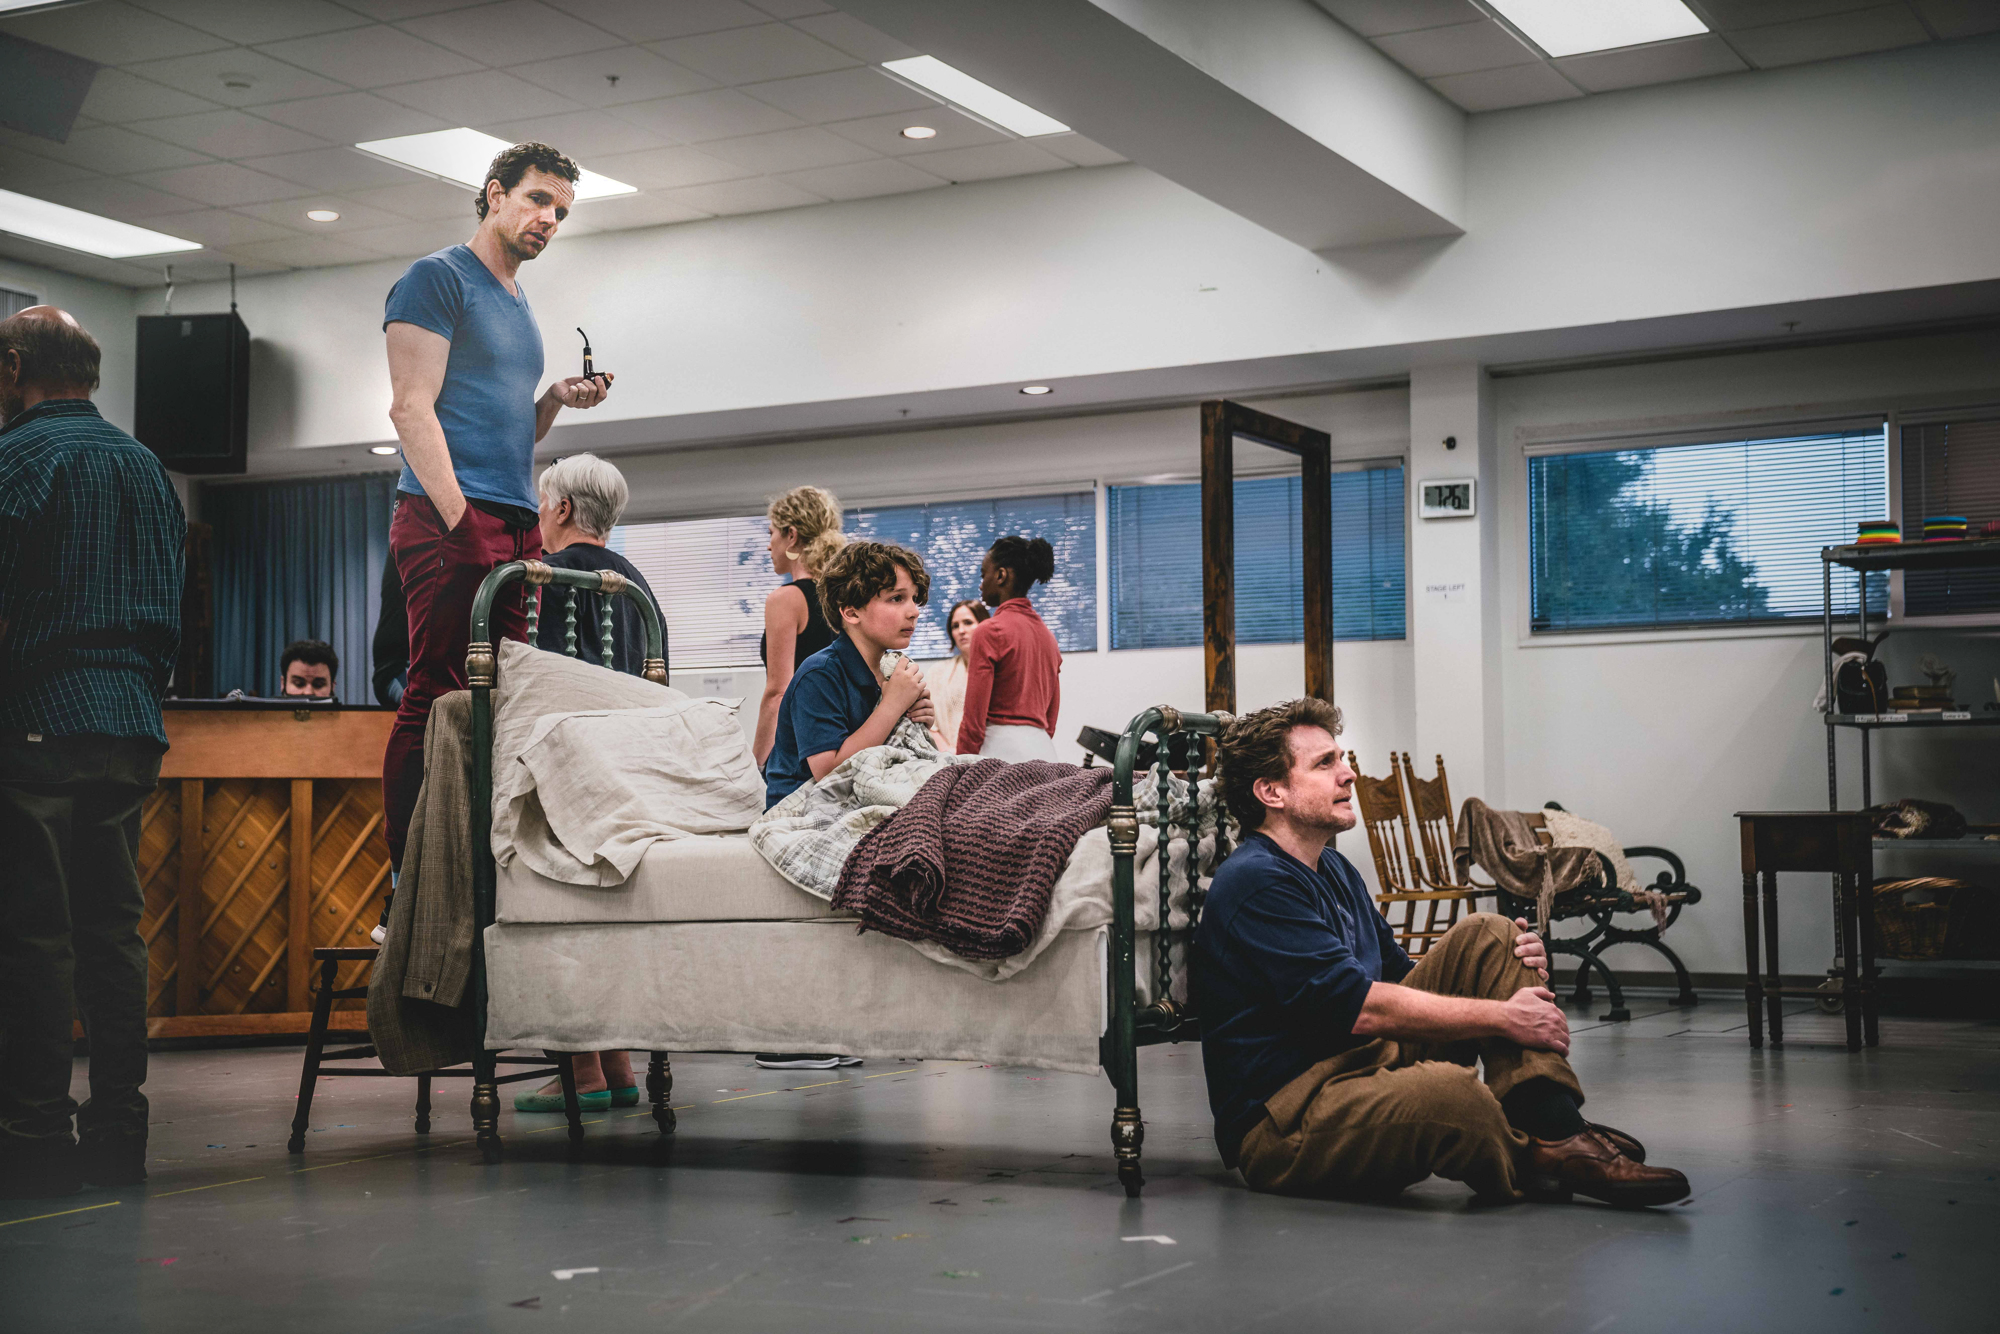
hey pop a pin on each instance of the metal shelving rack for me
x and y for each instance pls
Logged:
(1972, 553)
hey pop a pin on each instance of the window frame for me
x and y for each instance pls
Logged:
(1984, 407)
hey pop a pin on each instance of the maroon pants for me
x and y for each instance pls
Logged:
(441, 573)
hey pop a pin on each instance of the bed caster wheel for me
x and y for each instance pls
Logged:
(296, 1144)
(489, 1152)
(1830, 998)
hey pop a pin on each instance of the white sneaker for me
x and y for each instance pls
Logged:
(850, 1060)
(380, 935)
(788, 1061)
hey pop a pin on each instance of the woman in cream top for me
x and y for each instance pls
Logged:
(947, 678)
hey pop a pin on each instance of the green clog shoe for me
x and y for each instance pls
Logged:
(553, 1102)
(627, 1097)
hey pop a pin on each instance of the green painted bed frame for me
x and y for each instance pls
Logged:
(1177, 736)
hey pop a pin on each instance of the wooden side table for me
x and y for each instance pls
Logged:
(1830, 841)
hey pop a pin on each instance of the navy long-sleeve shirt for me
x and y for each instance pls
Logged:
(1284, 958)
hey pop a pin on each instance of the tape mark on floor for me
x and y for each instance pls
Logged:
(62, 1213)
(1148, 1278)
(189, 1190)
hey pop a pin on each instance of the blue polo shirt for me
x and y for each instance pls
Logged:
(1284, 957)
(830, 696)
(486, 405)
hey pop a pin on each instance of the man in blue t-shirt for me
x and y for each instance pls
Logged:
(1336, 1065)
(465, 359)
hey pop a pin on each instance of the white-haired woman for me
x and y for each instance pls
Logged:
(582, 497)
(805, 532)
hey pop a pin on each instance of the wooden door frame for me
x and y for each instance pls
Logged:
(1221, 422)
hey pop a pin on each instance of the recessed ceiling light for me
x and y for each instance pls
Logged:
(1572, 27)
(73, 229)
(381, 449)
(982, 100)
(322, 215)
(919, 132)
(1036, 389)
(461, 156)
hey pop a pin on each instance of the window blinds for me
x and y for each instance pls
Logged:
(1951, 468)
(952, 536)
(711, 576)
(1156, 561)
(1704, 534)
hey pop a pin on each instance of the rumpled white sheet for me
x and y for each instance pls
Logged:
(605, 785)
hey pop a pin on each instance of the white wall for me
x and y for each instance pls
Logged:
(1824, 181)
(1664, 737)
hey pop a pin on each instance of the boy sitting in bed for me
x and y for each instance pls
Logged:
(838, 704)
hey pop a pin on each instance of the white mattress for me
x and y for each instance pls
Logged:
(712, 878)
(811, 986)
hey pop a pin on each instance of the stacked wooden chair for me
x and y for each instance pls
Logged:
(1409, 832)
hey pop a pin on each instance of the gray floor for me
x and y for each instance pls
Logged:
(1832, 1192)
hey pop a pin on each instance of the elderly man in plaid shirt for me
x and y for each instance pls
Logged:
(91, 535)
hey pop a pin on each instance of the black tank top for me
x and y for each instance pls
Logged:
(816, 635)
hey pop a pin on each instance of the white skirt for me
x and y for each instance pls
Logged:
(1013, 743)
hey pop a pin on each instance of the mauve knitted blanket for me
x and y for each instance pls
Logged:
(970, 861)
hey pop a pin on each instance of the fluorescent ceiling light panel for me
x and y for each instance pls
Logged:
(461, 156)
(1572, 27)
(982, 100)
(73, 229)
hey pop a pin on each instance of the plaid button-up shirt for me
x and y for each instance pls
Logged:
(91, 534)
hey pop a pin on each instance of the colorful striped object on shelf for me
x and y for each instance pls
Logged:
(1871, 534)
(1944, 528)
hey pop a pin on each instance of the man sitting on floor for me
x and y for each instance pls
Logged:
(838, 703)
(1338, 1067)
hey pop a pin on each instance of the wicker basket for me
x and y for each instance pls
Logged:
(1913, 917)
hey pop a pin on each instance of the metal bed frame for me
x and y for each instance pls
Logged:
(1176, 736)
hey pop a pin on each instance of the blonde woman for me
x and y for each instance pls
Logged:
(947, 679)
(805, 532)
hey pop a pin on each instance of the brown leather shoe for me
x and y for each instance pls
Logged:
(1588, 1164)
(1620, 1141)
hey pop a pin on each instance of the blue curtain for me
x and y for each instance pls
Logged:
(298, 560)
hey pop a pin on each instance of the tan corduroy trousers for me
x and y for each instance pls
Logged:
(1387, 1114)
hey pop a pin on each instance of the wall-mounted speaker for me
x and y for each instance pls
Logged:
(193, 403)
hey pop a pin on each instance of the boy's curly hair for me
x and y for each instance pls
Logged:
(859, 570)
(1259, 745)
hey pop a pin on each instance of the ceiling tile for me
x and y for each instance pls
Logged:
(248, 22)
(512, 32)
(759, 194)
(370, 57)
(223, 184)
(884, 134)
(308, 252)
(788, 150)
(411, 239)
(752, 55)
(1730, 14)
(352, 118)
(722, 113)
(1077, 149)
(291, 213)
(110, 33)
(28, 172)
(395, 11)
(842, 94)
(1376, 18)
(1015, 157)
(340, 169)
(212, 76)
(641, 76)
(219, 229)
(628, 211)
(117, 96)
(865, 180)
(1663, 62)
(584, 135)
(484, 95)
(653, 20)
(116, 150)
(1458, 49)
(667, 168)
(851, 35)
(1960, 18)
(230, 134)
(1498, 89)
(426, 201)
(114, 198)
(1877, 29)
(791, 9)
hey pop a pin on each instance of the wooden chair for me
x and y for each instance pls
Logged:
(1405, 895)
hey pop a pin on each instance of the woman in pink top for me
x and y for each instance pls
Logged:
(1011, 687)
